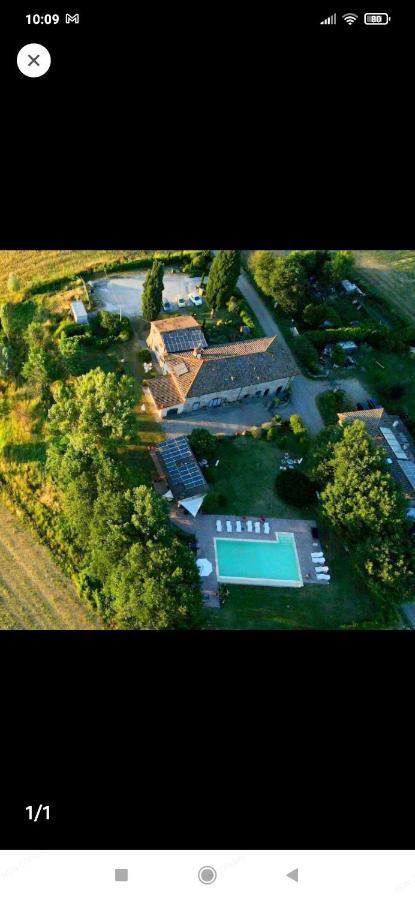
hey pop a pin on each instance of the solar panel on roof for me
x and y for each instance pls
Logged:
(394, 444)
(180, 464)
(408, 468)
(183, 340)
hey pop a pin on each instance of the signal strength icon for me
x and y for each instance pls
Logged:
(330, 21)
(350, 18)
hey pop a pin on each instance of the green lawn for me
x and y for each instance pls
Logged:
(391, 378)
(246, 474)
(391, 274)
(343, 602)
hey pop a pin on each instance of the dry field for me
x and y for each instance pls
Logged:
(391, 273)
(33, 266)
(34, 594)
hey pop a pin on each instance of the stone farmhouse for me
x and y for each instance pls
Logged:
(176, 335)
(209, 376)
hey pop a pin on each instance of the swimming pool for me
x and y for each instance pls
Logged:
(273, 563)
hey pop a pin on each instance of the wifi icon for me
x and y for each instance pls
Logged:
(350, 18)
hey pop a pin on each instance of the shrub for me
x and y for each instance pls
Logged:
(124, 336)
(297, 426)
(295, 487)
(339, 356)
(144, 355)
(202, 442)
(306, 353)
(272, 433)
(329, 404)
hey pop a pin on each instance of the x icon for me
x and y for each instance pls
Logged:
(33, 59)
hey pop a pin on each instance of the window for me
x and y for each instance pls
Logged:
(215, 402)
(258, 393)
(266, 392)
(196, 404)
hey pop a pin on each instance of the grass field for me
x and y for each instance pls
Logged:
(344, 602)
(34, 594)
(33, 266)
(245, 476)
(391, 274)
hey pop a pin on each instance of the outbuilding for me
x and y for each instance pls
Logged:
(79, 312)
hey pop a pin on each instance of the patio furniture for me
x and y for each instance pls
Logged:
(320, 569)
(218, 525)
(319, 562)
(266, 528)
(249, 525)
(238, 527)
(323, 577)
(257, 527)
(229, 526)
(316, 554)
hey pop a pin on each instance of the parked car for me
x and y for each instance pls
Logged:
(181, 302)
(167, 306)
(371, 404)
(359, 406)
(195, 299)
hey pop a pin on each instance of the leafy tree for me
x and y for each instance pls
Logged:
(153, 291)
(388, 558)
(35, 335)
(340, 266)
(361, 498)
(96, 412)
(306, 353)
(295, 487)
(262, 263)
(6, 359)
(149, 514)
(202, 442)
(108, 532)
(288, 284)
(36, 368)
(314, 314)
(223, 276)
(339, 355)
(155, 587)
(71, 351)
(13, 283)
(297, 426)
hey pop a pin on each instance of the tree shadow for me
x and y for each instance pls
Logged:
(24, 453)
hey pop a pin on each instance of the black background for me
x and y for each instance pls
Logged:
(209, 127)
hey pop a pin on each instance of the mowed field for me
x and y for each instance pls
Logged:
(34, 594)
(33, 266)
(391, 274)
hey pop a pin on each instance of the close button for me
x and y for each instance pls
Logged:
(33, 60)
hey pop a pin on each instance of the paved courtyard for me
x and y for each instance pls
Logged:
(226, 419)
(125, 292)
(204, 529)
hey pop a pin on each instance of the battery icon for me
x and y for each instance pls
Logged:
(377, 18)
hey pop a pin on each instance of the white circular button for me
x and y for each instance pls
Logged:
(33, 60)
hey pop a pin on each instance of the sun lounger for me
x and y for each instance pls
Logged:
(320, 569)
(229, 526)
(315, 554)
(218, 525)
(323, 577)
(266, 527)
(249, 525)
(315, 543)
(238, 527)
(319, 562)
(257, 526)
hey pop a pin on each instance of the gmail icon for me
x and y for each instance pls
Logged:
(74, 18)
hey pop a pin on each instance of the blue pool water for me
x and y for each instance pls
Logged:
(253, 560)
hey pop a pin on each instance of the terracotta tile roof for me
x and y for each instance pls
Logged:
(371, 418)
(175, 323)
(164, 392)
(237, 365)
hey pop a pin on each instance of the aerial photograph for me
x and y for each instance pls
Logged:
(207, 439)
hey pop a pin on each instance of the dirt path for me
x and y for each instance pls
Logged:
(34, 593)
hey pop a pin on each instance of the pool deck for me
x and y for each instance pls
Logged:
(204, 530)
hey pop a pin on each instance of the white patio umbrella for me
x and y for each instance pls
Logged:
(205, 567)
